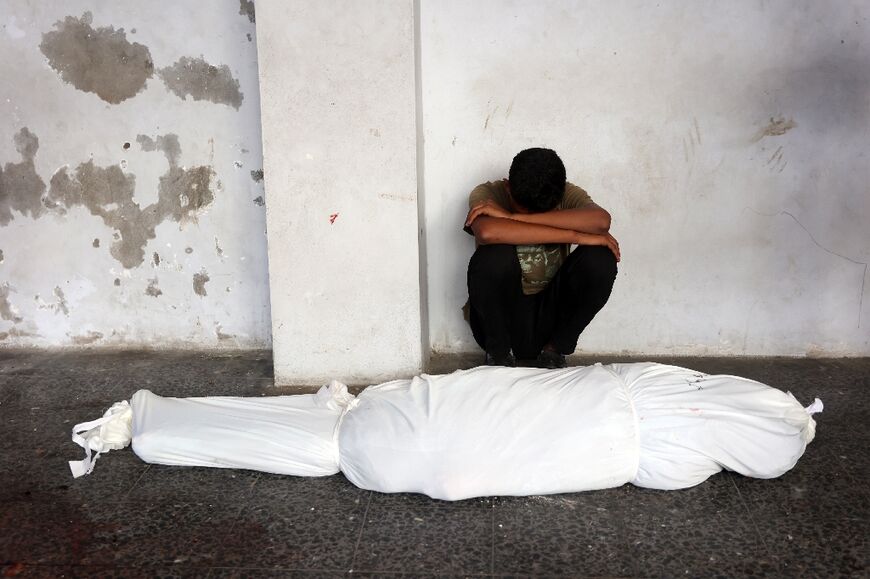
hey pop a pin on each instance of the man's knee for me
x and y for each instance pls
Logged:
(595, 262)
(494, 262)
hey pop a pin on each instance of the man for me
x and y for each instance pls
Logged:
(530, 296)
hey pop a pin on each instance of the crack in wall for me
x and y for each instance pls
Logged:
(825, 249)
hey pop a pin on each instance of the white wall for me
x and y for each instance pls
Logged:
(735, 239)
(76, 271)
(339, 135)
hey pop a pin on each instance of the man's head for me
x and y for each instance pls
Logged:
(537, 179)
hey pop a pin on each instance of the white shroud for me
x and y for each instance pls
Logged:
(480, 432)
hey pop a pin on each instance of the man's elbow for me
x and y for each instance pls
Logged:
(604, 221)
(483, 235)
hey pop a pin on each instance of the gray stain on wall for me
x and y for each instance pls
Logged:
(101, 60)
(246, 8)
(257, 175)
(21, 188)
(107, 192)
(199, 281)
(152, 289)
(202, 81)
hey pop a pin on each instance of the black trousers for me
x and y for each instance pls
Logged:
(503, 318)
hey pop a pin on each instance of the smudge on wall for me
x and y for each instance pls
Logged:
(202, 81)
(775, 128)
(199, 281)
(101, 60)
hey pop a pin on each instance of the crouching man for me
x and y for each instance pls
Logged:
(530, 296)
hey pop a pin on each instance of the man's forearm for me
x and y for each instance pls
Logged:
(591, 220)
(494, 230)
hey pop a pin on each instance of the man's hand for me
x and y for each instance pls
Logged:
(489, 208)
(604, 239)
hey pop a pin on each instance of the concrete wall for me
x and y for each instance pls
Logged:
(728, 140)
(339, 135)
(131, 193)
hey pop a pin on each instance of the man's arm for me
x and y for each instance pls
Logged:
(591, 219)
(494, 230)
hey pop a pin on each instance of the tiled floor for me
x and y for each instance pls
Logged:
(129, 519)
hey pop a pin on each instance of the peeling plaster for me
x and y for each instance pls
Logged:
(199, 281)
(7, 310)
(202, 81)
(257, 175)
(21, 188)
(107, 192)
(155, 259)
(101, 60)
(85, 339)
(61, 305)
(220, 335)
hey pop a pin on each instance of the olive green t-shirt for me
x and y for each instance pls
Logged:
(539, 263)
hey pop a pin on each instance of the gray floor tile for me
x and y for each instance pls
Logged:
(570, 534)
(184, 484)
(166, 533)
(704, 531)
(292, 535)
(414, 539)
(307, 492)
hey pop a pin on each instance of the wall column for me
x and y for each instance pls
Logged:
(339, 140)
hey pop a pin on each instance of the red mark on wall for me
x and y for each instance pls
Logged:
(332, 218)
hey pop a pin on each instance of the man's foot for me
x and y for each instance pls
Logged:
(500, 360)
(551, 359)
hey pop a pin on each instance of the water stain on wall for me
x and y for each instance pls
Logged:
(96, 242)
(775, 128)
(202, 81)
(98, 60)
(1, 256)
(7, 310)
(246, 8)
(107, 192)
(199, 281)
(152, 289)
(21, 188)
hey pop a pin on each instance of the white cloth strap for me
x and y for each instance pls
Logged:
(114, 430)
(815, 407)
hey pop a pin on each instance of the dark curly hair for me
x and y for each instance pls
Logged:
(537, 179)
